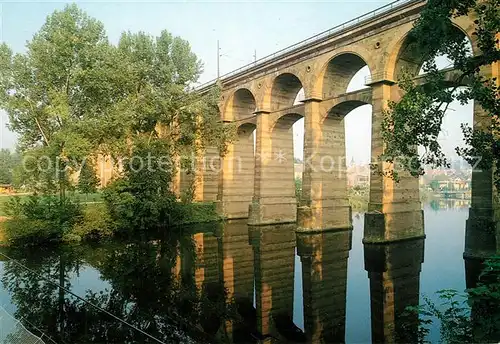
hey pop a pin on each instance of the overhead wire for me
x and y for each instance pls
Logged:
(82, 299)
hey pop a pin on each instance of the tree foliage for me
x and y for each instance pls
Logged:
(39, 220)
(87, 180)
(8, 162)
(473, 317)
(73, 94)
(142, 198)
(136, 283)
(417, 118)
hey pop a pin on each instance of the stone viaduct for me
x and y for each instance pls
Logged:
(258, 182)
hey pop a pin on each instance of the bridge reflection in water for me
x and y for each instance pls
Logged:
(256, 267)
(394, 272)
(226, 283)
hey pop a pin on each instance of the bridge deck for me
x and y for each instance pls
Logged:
(311, 41)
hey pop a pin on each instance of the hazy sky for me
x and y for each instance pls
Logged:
(241, 28)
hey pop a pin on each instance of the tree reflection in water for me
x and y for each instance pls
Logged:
(230, 284)
(143, 289)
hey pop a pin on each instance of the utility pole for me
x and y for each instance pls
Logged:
(218, 60)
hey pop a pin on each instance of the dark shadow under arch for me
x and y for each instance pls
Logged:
(287, 121)
(284, 91)
(410, 60)
(343, 109)
(242, 104)
(339, 72)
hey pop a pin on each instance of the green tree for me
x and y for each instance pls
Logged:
(416, 119)
(88, 181)
(61, 93)
(142, 199)
(165, 119)
(160, 103)
(8, 162)
(74, 95)
(434, 185)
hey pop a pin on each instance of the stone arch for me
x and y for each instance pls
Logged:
(342, 109)
(281, 159)
(286, 121)
(245, 130)
(333, 133)
(467, 26)
(240, 105)
(338, 71)
(282, 137)
(404, 57)
(284, 90)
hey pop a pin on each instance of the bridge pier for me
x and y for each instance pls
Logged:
(324, 204)
(483, 225)
(324, 283)
(394, 210)
(236, 178)
(274, 198)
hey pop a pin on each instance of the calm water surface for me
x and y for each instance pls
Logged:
(218, 283)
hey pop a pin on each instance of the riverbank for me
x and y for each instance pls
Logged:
(120, 268)
(93, 223)
(81, 198)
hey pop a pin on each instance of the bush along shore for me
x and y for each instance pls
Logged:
(48, 220)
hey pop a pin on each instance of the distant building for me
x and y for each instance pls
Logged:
(298, 169)
(358, 175)
(6, 189)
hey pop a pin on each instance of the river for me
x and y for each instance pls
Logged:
(219, 283)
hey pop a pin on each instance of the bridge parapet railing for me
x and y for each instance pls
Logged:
(313, 39)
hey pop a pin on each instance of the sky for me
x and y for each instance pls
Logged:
(243, 28)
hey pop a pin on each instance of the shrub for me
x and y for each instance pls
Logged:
(142, 199)
(28, 232)
(134, 210)
(40, 219)
(95, 225)
(198, 213)
(471, 317)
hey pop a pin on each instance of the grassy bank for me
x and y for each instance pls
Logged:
(81, 198)
(201, 213)
(4, 199)
(2, 233)
(89, 221)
